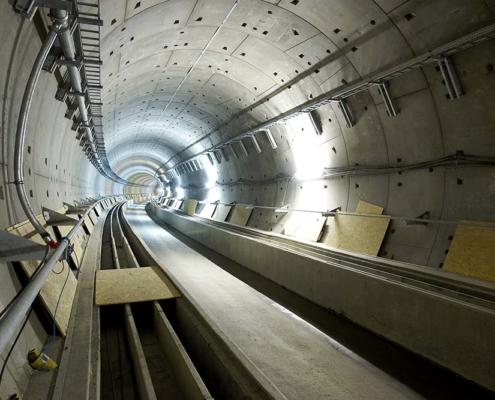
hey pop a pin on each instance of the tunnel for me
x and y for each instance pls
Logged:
(247, 199)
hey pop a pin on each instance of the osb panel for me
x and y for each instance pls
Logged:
(93, 217)
(472, 252)
(368, 208)
(208, 210)
(241, 215)
(88, 224)
(190, 206)
(132, 285)
(50, 291)
(25, 228)
(221, 212)
(359, 234)
(306, 226)
(64, 231)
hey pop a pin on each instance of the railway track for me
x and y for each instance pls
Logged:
(164, 349)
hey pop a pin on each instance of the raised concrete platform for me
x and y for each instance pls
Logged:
(450, 331)
(298, 359)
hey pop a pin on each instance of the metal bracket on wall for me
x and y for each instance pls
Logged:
(349, 121)
(54, 218)
(70, 209)
(392, 110)
(232, 150)
(332, 213)
(16, 248)
(450, 78)
(224, 154)
(425, 215)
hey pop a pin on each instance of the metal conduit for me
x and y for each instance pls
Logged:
(21, 136)
(15, 314)
(68, 48)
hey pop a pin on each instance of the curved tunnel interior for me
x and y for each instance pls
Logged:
(181, 82)
(278, 105)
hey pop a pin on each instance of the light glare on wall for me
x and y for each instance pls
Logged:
(308, 158)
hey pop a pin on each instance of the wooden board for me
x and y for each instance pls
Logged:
(359, 234)
(89, 224)
(64, 231)
(93, 217)
(368, 208)
(208, 210)
(132, 285)
(241, 215)
(472, 252)
(190, 206)
(307, 226)
(52, 288)
(221, 212)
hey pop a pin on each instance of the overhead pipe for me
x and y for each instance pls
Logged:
(21, 134)
(69, 50)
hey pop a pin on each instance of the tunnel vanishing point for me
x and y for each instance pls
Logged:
(247, 199)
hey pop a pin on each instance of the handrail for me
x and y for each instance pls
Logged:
(333, 213)
(15, 314)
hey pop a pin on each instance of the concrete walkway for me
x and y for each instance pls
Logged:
(301, 361)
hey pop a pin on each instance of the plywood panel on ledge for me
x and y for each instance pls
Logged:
(52, 287)
(208, 210)
(64, 231)
(221, 212)
(132, 285)
(357, 233)
(472, 252)
(241, 215)
(190, 206)
(305, 225)
(89, 224)
(367, 208)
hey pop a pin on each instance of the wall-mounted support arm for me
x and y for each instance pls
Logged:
(392, 110)
(349, 121)
(450, 77)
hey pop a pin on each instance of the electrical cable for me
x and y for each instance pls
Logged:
(455, 160)
(15, 342)
(69, 250)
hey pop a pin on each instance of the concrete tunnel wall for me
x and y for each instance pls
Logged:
(269, 57)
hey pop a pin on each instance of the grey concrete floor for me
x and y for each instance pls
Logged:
(300, 360)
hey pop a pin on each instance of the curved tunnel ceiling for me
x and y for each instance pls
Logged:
(266, 58)
(278, 49)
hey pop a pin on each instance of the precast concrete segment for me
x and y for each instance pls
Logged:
(298, 359)
(451, 330)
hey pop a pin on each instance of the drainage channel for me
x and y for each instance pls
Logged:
(141, 355)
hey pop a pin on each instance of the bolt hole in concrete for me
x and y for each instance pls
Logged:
(409, 16)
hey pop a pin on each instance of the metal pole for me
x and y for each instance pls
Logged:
(15, 315)
(21, 135)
